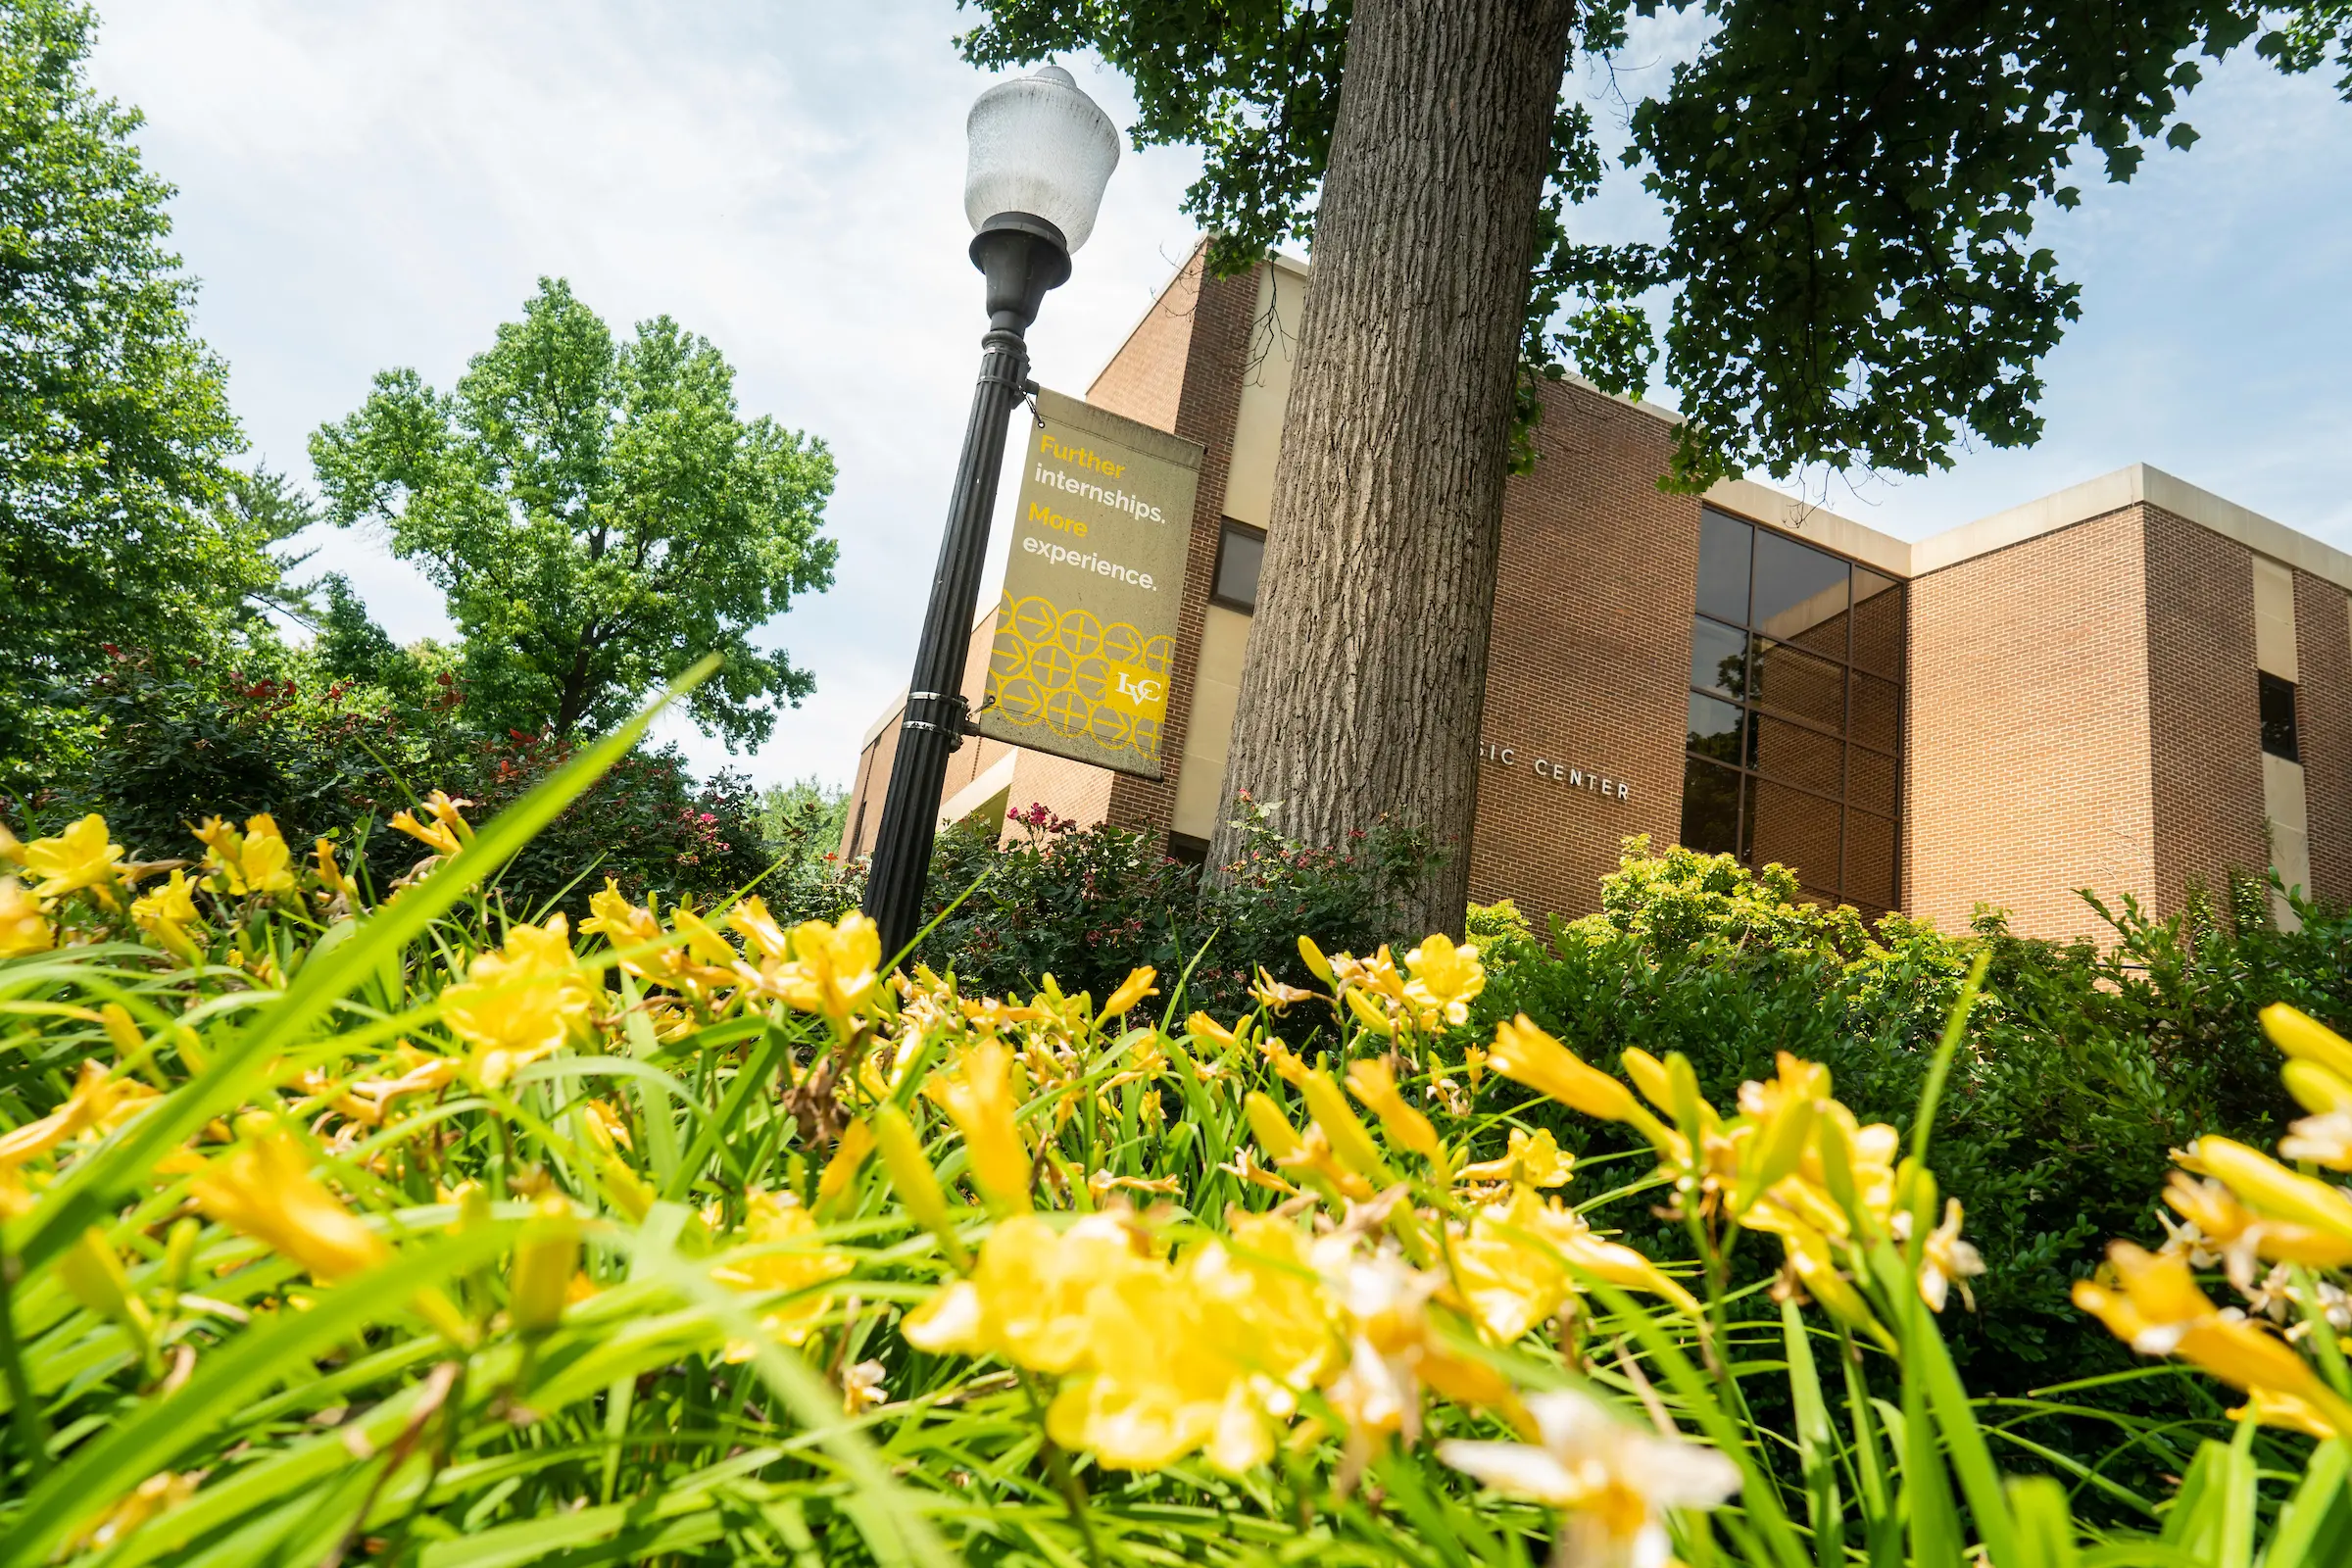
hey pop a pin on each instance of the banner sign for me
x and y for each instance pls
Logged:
(1087, 630)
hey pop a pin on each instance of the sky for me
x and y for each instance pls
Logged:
(364, 187)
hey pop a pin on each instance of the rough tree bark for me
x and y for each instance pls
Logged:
(1368, 658)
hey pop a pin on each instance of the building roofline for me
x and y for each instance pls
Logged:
(2138, 484)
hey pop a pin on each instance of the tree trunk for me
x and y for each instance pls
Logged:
(1367, 661)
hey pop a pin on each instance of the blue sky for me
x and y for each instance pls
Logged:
(369, 186)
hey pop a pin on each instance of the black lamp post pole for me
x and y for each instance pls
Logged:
(1021, 257)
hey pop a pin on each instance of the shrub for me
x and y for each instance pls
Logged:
(337, 758)
(2082, 1068)
(1085, 904)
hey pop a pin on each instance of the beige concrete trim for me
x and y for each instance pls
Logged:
(1814, 524)
(2125, 487)
(995, 781)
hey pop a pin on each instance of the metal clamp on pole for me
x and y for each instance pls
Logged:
(955, 723)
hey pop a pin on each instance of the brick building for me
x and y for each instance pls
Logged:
(2131, 686)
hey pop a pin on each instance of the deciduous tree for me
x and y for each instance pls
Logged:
(1850, 187)
(598, 515)
(115, 427)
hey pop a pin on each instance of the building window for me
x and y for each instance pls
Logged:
(1796, 701)
(2278, 716)
(1185, 849)
(1241, 551)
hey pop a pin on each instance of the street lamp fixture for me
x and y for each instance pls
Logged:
(1041, 152)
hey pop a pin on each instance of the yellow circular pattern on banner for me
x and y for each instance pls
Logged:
(1105, 686)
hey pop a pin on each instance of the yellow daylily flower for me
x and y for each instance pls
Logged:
(794, 1260)
(979, 1098)
(1371, 1080)
(100, 1102)
(1946, 1261)
(168, 912)
(1026, 1298)
(832, 968)
(1532, 1160)
(332, 879)
(520, 1002)
(257, 861)
(1197, 1356)
(23, 929)
(78, 857)
(2151, 1301)
(2322, 1139)
(12, 848)
(447, 833)
(1132, 989)
(1350, 1139)
(1312, 957)
(1526, 1055)
(837, 1181)
(264, 1188)
(766, 934)
(1445, 980)
(1613, 1480)
(1782, 1114)
(2270, 1189)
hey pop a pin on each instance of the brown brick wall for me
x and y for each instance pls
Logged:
(1144, 380)
(2324, 704)
(1210, 402)
(2029, 733)
(2205, 723)
(1589, 665)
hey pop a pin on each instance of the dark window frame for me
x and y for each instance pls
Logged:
(1756, 709)
(1227, 528)
(2282, 738)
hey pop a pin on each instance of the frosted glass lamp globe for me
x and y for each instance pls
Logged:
(1041, 148)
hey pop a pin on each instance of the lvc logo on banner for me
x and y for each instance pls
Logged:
(1086, 633)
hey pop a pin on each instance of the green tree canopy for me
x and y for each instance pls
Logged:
(116, 520)
(598, 516)
(1849, 185)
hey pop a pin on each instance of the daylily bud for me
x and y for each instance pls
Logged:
(1317, 964)
(1275, 1134)
(2305, 1038)
(1375, 1084)
(1649, 1074)
(2316, 1088)
(2267, 1186)
(1368, 1013)
(1351, 1141)
(841, 1171)
(95, 1276)
(546, 1257)
(912, 1177)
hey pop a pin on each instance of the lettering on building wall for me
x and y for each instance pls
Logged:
(1573, 775)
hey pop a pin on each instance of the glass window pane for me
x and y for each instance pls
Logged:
(1793, 829)
(1800, 756)
(1878, 713)
(1240, 552)
(1718, 656)
(1723, 549)
(1801, 683)
(2277, 697)
(1715, 727)
(1870, 781)
(1710, 807)
(1800, 594)
(1877, 623)
(1869, 861)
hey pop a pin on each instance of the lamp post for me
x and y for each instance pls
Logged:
(1041, 152)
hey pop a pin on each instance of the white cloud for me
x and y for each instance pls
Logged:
(365, 187)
